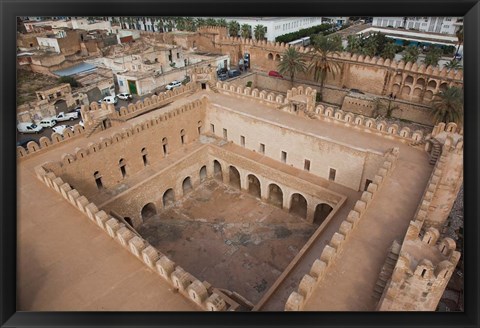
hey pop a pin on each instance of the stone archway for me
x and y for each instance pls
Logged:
(234, 176)
(203, 173)
(298, 205)
(148, 211)
(187, 185)
(321, 213)
(275, 195)
(168, 197)
(254, 186)
(217, 171)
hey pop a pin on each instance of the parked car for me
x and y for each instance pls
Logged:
(125, 96)
(275, 74)
(29, 127)
(24, 142)
(60, 129)
(76, 110)
(357, 91)
(48, 122)
(234, 72)
(173, 84)
(222, 76)
(66, 116)
(110, 99)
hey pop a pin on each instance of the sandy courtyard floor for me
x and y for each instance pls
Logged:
(228, 238)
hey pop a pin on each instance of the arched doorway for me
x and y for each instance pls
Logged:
(203, 173)
(298, 205)
(254, 186)
(275, 195)
(321, 213)
(187, 185)
(234, 177)
(217, 171)
(168, 197)
(148, 211)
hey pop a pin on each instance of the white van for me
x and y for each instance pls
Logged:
(48, 122)
(111, 100)
(29, 127)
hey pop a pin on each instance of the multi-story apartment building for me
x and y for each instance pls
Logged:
(443, 25)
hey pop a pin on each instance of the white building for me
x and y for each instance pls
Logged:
(443, 25)
(277, 26)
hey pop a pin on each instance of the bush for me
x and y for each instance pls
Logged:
(68, 79)
(289, 37)
(249, 84)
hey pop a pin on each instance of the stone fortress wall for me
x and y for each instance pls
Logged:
(426, 262)
(333, 249)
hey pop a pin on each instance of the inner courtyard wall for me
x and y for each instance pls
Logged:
(353, 166)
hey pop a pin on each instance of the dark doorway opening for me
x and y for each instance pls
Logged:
(234, 177)
(254, 186)
(148, 211)
(275, 195)
(321, 213)
(168, 197)
(217, 171)
(298, 206)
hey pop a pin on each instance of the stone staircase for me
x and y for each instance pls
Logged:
(94, 127)
(387, 270)
(212, 86)
(436, 151)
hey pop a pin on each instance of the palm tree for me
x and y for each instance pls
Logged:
(190, 24)
(292, 62)
(222, 22)
(433, 56)
(411, 54)
(323, 47)
(448, 105)
(259, 31)
(211, 22)
(389, 51)
(200, 22)
(233, 28)
(354, 44)
(246, 31)
(370, 47)
(384, 107)
(180, 24)
(453, 64)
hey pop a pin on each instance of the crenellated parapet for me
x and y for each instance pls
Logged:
(262, 96)
(202, 294)
(104, 142)
(297, 299)
(423, 269)
(43, 143)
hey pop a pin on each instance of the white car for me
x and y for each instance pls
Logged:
(29, 127)
(173, 84)
(110, 99)
(124, 96)
(48, 122)
(60, 129)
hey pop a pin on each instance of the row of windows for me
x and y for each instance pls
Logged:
(283, 155)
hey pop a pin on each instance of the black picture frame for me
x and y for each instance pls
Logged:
(9, 317)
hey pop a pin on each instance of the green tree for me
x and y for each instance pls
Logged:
(389, 51)
(411, 54)
(259, 31)
(370, 47)
(321, 65)
(246, 31)
(433, 56)
(233, 28)
(211, 22)
(190, 24)
(222, 22)
(180, 24)
(448, 105)
(200, 22)
(384, 107)
(292, 62)
(354, 45)
(453, 64)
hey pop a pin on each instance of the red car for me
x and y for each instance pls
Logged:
(275, 74)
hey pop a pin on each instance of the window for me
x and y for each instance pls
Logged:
(225, 134)
(120, 83)
(306, 166)
(212, 128)
(284, 157)
(242, 141)
(262, 148)
(122, 165)
(144, 157)
(178, 55)
(331, 175)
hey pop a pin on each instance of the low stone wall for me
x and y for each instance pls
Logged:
(330, 253)
(201, 293)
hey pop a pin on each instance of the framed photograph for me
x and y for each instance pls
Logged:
(220, 163)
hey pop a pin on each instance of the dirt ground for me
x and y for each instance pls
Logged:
(228, 238)
(28, 83)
